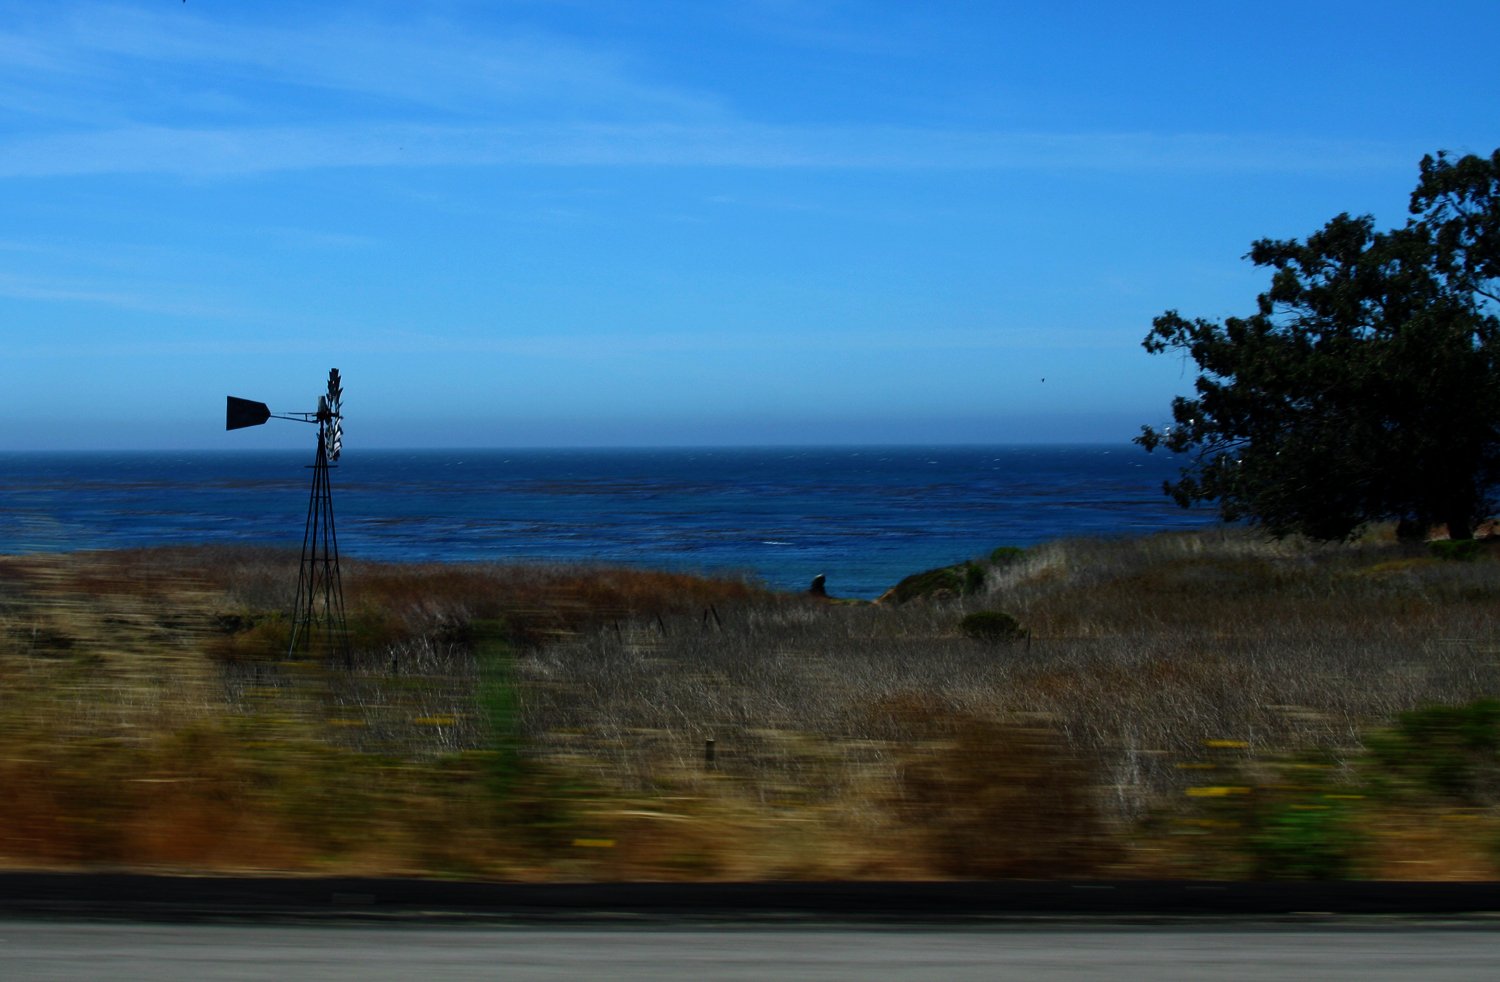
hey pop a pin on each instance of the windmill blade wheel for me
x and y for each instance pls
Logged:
(335, 414)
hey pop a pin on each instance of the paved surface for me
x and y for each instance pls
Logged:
(40, 949)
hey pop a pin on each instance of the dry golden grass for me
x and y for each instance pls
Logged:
(148, 717)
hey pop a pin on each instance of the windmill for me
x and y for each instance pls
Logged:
(318, 619)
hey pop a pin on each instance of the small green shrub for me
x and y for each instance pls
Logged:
(1452, 751)
(1005, 555)
(1277, 818)
(250, 637)
(973, 579)
(962, 580)
(1306, 839)
(498, 705)
(373, 628)
(991, 626)
(1455, 550)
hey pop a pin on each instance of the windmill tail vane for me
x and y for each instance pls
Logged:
(318, 620)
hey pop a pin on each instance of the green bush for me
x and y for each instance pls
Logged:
(991, 626)
(499, 706)
(1456, 550)
(1005, 555)
(1452, 751)
(250, 637)
(1311, 839)
(374, 628)
(961, 580)
(1271, 818)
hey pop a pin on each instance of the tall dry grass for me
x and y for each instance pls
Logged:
(145, 703)
(1141, 653)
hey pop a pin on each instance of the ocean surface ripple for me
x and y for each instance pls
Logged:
(863, 516)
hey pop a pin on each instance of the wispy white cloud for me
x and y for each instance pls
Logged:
(207, 347)
(577, 347)
(166, 90)
(221, 152)
(582, 344)
(98, 294)
(170, 59)
(308, 238)
(820, 24)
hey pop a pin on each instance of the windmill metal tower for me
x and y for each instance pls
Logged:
(318, 620)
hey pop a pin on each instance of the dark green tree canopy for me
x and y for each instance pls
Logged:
(1366, 384)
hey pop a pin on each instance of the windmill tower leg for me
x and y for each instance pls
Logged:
(318, 620)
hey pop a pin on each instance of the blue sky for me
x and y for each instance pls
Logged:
(656, 223)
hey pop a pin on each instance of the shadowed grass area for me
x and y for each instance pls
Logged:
(1207, 704)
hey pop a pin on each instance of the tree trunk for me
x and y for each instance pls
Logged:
(1460, 528)
(1411, 530)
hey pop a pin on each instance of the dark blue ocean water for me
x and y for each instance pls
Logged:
(864, 516)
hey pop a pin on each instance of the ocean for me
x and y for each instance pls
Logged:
(863, 516)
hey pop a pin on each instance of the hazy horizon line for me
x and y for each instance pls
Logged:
(603, 447)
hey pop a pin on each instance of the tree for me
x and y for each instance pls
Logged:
(1366, 384)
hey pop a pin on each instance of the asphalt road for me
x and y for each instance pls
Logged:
(48, 949)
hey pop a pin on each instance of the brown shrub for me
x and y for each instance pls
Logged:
(1005, 801)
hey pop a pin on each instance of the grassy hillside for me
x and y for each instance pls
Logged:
(1208, 704)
